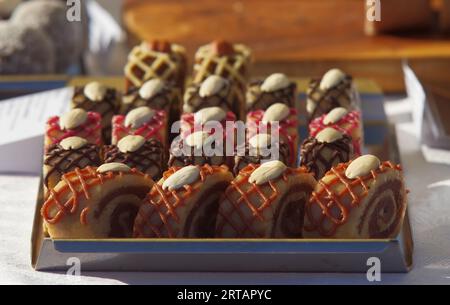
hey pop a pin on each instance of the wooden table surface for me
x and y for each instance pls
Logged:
(299, 37)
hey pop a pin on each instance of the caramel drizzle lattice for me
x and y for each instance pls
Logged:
(77, 184)
(152, 64)
(327, 199)
(257, 207)
(232, 66)
(165, 203)
(149, 156)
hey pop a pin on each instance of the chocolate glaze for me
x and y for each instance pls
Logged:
(292, 213)
(259, 100)
(148, 159)
(312, 152)
(61, 161)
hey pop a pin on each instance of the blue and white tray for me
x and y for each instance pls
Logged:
(244, 255)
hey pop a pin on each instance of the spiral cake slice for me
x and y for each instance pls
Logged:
(95, 202)
(361, 199)
(184, 203)
(265, 201)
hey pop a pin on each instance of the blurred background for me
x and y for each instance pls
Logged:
(40, 49)
(299, 37)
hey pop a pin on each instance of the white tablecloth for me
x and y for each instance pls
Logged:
(429, 211)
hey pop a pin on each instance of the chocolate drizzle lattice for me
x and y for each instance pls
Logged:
(109, 104)
(60, 161)
(330, 200)
(107, 107)
(259, 100)
(319, 157)
(148, 159)
(229, 99)
(321, 102)
(164, 100)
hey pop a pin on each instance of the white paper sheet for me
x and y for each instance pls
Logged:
(22, 121)
(416, 96)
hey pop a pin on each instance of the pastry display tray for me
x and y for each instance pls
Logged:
(240, 255)
(223, 255)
